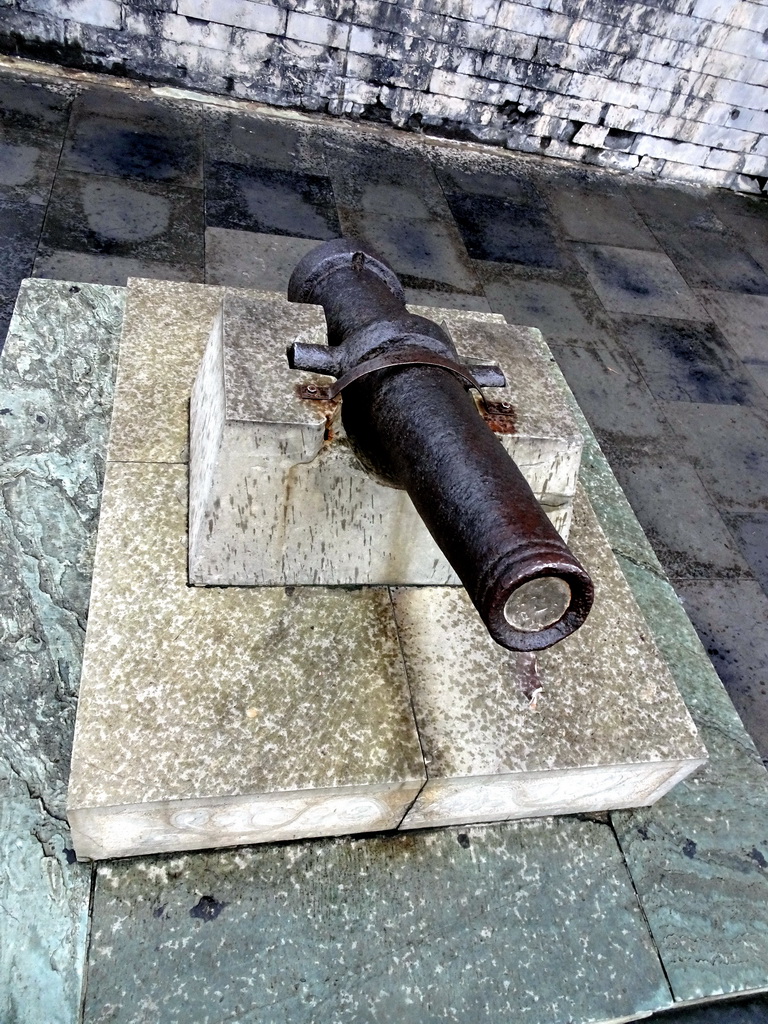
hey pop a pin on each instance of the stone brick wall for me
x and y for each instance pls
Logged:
(674, 89)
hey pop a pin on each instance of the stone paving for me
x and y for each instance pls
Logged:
(652, 298)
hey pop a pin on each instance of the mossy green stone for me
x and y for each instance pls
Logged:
(56, 379)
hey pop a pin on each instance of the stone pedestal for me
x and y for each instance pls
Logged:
(221, 716)
(593, 723)
(278, 498)
(213, 716)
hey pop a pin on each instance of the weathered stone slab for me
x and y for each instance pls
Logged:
(278, 497)
(607, 730)
(698, 857)
(56, 380)
(221, 716)
(532, 922)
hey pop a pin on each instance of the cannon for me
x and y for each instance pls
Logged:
(412, 423)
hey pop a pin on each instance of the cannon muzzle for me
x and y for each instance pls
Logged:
(411, 422)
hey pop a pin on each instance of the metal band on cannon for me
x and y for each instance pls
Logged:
(414, 426)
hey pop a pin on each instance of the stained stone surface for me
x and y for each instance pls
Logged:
(56, 380)
(166, 328)
(728, 445)
(218, 716)
(687, 362)
(638, 281)
(731, 619)
(250, 140)
(698, 857)
(33, 121)
(561, 314)
(610, 390)
(20, 223)
(474, 924)
(143, 220)
(598, 213)
(390, 198)
(446, 299)
(507, 230)
(278, 497)
(118, 133)
(609, 728)
(742, 320)
(59, 265)
(666, 491)
(248, 259)
(697, 240)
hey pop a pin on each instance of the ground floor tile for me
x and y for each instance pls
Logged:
(747, 217)
(423, 253)
(133, 219)
(59, 265)
(728, 446)
(597, 213)
(505, 230)
(248, 259)
(246, 139)
(379, 179)
(751, 533)
(731, 617)
(134, 136)
(709, 258)
(753, 233)
(27, 172)
(34, 113)
(352, 931)
(484, 171)
(20, 225)
(638, 281)
(708, 913)
(758, 370)
(269, 201)
(742, 319)
(687, 361)
(446, 299)
(560, 313)
(610, 390)
(678, 516)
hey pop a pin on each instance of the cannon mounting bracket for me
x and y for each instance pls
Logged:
(476, 375)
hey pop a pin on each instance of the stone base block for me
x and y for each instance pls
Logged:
(222, 716)
(593, 723)
(278, 498)
(215, 716)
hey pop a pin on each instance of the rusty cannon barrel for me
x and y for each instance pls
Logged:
(412, 423)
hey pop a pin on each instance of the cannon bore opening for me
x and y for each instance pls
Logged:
(538, 604)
